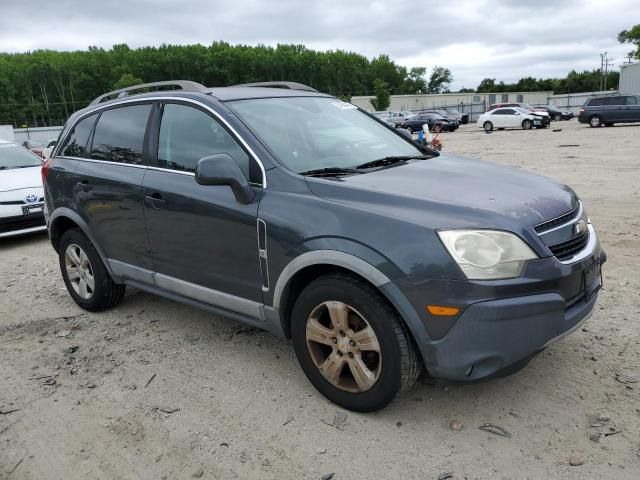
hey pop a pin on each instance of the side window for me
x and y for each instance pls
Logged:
(187, 134)
(119, 134)
(76, 143)
(595, 102)
(508, 111)
(631, 100)
(499, 112)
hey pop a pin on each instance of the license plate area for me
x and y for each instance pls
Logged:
(31, 209)
(592, 280)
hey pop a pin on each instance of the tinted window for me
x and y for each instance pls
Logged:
(188, 134)
(76, 144)
(595, 102)
(119, 134)
(632, 100)
(616, 101)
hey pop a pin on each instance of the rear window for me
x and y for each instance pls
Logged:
(119, 134)
(12, 156)
(76, 143)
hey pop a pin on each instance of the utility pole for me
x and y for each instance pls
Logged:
(602, 57)
(607, 63)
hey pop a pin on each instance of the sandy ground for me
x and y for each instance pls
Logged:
(158, 390)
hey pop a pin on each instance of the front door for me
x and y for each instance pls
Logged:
(203, 241)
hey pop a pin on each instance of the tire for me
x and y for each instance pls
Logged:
(393, 368)
(557, 118)
(100, 291)
(488, 126)
(527, 124)
(595, 121)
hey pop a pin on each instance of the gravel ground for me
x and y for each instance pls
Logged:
(154, 389)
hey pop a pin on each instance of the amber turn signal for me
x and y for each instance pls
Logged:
(442, 311)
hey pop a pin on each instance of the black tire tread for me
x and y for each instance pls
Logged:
(113, 293)
(410, 362)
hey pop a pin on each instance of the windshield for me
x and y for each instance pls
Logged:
(308, 133)
(13, 156)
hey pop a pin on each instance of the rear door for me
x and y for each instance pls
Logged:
(109, 184)
(203, 241)
(632, 109)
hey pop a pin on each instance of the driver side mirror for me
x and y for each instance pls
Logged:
(222, 169)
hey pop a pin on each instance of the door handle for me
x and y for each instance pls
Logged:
(154, 201)
(84, 185)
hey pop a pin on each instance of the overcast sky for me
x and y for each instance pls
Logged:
(504, 39)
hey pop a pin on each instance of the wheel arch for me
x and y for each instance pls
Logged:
(63, 219)
(304, 269)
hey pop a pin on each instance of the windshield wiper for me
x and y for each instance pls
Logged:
(329, 172)
(386, 161)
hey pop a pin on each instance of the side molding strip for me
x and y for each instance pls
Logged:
(209, 296)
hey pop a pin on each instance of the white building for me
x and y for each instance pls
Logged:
(630, 78)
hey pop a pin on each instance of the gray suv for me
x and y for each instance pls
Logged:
(295, 212)
(610, 109)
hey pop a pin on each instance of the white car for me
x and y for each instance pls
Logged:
(46, 153)
(21, 192)
(508, 117)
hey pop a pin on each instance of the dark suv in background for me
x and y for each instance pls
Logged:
(610, 109)
(293, 211)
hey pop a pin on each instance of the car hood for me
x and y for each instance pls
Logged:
(19, 178)
(453, 192)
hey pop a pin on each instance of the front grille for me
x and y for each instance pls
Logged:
(549, 224)
(13, 224)
(568, 249)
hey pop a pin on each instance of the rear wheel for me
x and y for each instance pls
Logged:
(351, 344)
(595, 121)
(84, 274)
(488, 126)
(527, 124)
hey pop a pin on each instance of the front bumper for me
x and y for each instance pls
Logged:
(502, 322)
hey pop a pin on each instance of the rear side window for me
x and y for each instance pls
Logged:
(119, 134)
(595, 102)
(632, 100)
(188, 134)
(76, 143)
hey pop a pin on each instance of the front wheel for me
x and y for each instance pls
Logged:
(557, 118)
(595, 121)
(488, 126)
(84, 274)
(351, 344)
(527, 124)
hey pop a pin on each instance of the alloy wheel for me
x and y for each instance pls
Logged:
(79, 271)
(343, 346)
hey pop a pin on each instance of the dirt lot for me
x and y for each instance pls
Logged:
(157, 390)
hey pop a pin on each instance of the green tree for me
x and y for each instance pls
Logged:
(633, 37)
(382, 100)
(127, 80)
(439, 80)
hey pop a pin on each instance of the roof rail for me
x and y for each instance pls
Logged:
(288, 85)
(186, 85)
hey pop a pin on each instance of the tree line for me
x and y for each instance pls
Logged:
(44, 87)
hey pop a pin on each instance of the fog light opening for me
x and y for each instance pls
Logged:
(469, 371)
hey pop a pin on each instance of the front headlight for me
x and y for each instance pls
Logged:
(487, 254)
